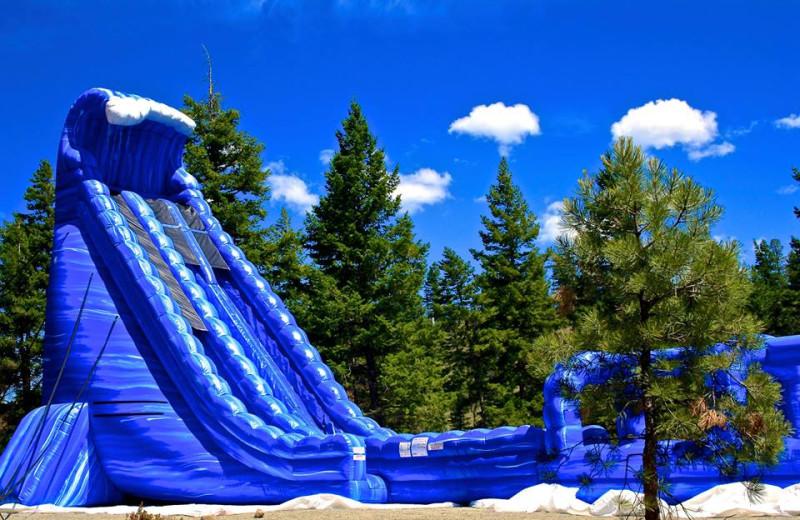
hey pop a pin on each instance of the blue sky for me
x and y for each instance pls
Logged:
(711, 87)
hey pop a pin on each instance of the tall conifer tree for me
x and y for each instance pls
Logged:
(451, 299)
(371, 266)
(515, 301)
(285, 261)
(771, 290)
(25, 244)
(227, 162)
(642, 236)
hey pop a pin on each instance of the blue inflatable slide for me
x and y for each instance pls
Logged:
(173, 373)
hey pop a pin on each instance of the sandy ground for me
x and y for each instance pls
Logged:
(461, 513)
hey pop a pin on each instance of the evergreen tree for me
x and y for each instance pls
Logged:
(770, 287)
(515, 303)
(416, 381)
(642, 236)
(793, 266)
(25, 244)
(284, 257)
(791, 299)
(227, 162)
(451, 300)
(371, 267)
(573, 292)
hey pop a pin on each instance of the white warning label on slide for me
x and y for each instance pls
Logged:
(405, 449)
(419, 447)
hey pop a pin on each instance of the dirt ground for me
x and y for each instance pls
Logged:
(459, 513)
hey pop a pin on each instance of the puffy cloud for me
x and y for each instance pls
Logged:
(289, 188)
(791, 121)
(423, 188)
(788, 189)
(506, 125)
(326, 155)
(665, 123)
(551, 225)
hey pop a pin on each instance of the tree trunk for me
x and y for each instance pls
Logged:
(649, 457)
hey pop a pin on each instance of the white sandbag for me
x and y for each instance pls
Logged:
(319, 501)
(616, 502)
(548, 498)
(789, 500)
(734, 500)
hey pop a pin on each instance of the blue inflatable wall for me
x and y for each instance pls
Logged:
(177, 375)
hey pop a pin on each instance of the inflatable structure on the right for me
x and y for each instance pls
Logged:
(585, 457)
(173, 373)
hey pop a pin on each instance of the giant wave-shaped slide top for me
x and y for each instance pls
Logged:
(177, 374)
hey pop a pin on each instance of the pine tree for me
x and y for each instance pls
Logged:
(284, 258)
(25, 244)
(770, 287)
(416, 381)
(642, 235)
(791, 299)
(371, 266)
(573, 292)
(227, 162)
(451, 301)
(793, 266)
(515, 303)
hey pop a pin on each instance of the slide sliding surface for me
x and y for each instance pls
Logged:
(263, 436)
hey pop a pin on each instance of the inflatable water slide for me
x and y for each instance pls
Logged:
(174, 374)
(178, 375)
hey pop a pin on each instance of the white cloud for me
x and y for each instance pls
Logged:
(276, 167)
(791, 121)
(480, 200)
(551, 225)
(289, 188)
(506, 125)
(712, 150)
(788, 189)
(665, 123)
(422, 188)
(325, 156)
(742, 130)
